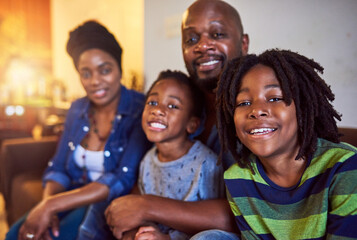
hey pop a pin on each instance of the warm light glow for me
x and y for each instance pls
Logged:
(9, 110)
(19, 110)
(52, 119)
(19, 72)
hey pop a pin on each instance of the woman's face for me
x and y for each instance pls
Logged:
(100, 76)
(264, 122)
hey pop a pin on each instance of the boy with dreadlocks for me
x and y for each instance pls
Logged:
(293, 178)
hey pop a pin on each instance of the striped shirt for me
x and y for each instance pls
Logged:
(323, 204)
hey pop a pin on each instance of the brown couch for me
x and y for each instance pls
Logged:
(23, 161)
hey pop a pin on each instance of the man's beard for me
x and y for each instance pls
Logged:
(206, 84)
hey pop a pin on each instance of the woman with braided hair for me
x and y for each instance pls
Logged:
(292, 179)
(98, 156)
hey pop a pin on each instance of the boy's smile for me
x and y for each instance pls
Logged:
(264, 123)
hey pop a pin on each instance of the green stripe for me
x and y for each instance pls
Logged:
(302, 209)
(313, 226)
(236, 172)
(344, 205)
(325, 161)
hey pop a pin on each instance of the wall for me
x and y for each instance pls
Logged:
(325, 30)
(125, 19)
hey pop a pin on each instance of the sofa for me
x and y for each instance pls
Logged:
(24, 160)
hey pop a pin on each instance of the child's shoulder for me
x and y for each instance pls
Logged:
(338, 150)
(332, 155)
(201, 148)
(199, 152)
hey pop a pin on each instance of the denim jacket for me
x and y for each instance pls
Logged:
(123, 151)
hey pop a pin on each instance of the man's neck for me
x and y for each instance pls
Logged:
(210, 104)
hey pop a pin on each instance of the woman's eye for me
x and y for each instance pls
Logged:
(85, 75)
(152, 103)
(173, 106)
(105, 71)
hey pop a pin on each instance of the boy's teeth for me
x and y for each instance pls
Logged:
(261, 130)
(99, 91)
(157, 125)
(209, 63)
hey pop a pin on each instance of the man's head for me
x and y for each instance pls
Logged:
(212, 34)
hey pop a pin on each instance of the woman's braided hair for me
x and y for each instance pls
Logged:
(300, 82)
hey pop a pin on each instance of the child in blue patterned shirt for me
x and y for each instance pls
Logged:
(176, 167)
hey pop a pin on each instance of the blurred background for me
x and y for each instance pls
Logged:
(38, 81)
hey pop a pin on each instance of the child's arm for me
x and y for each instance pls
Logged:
(189, 217)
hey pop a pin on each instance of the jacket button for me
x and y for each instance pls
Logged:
(125, 169)
(86, 128)
(106, 153)
(71, 146)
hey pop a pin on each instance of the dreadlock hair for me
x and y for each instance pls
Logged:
(300, 82)
(196, 94)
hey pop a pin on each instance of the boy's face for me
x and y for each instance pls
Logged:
(167, 115)
(263, 121)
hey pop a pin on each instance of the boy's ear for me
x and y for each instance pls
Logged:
(192, 125)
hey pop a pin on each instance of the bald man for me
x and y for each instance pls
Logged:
(212, 34)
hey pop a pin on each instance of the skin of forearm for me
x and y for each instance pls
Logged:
(191, 217)
(52, 188)
(91, 193)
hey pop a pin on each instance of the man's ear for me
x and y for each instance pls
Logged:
(192, 125)
(245, 44)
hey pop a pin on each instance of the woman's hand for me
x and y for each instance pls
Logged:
(38, 222)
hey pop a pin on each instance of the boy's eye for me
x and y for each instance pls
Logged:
(242, 104)
(152, 103)
(276, 99)
(173, 106)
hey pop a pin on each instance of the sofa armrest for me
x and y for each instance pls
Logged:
(24, 155)
(349, 135)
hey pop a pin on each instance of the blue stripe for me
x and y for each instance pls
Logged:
(349, 165)
(342, 226)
